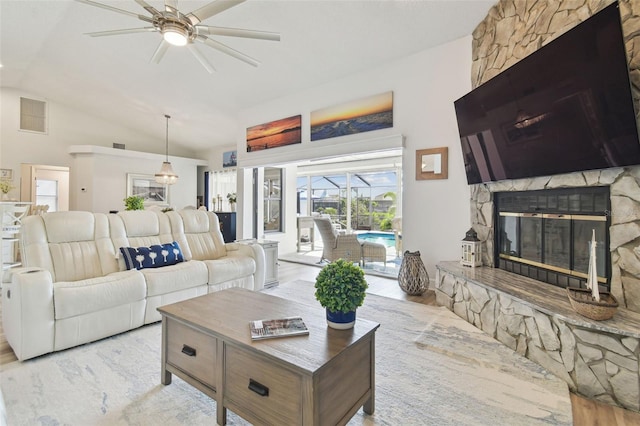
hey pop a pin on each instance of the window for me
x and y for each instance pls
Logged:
(272, 199)
(223, 182)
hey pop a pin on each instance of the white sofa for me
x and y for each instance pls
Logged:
(73, 286)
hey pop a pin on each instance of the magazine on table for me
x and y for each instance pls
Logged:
(279, 327)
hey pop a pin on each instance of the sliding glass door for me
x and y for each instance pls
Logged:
(354, 201)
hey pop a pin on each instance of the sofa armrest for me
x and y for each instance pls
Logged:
(27, 312)
(256, 252)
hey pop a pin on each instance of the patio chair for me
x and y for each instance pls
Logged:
(337, 246)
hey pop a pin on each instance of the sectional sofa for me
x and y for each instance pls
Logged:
(86, 276)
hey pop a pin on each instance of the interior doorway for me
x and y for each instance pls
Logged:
(43, 184)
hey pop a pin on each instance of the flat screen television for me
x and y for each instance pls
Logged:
(565, 108)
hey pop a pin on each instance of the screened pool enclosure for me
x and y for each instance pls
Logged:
(354, 201)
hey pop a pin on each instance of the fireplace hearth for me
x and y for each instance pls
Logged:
(545, 234)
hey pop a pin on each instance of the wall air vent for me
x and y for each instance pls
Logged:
(33, 115)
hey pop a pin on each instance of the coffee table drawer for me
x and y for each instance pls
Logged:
(281, 400)
(192, 352)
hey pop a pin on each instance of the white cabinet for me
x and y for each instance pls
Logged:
(9, 255)
(270, 248)
(12, 214)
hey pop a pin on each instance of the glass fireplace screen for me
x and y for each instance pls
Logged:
(546, 244)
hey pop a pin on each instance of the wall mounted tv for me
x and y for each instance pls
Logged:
(565, 108)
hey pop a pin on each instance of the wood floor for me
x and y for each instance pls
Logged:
(585, 412)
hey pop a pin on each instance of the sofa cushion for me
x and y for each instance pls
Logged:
(141, 223)
(96, 294)
(154, 256)
(71, 245)
(176, 277)
(140, 228)
(70, 226)
(229, 268)
(198, 233)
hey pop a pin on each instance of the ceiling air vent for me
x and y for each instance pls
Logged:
(33, 115)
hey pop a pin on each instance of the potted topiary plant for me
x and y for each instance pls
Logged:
(340, 289)
(134, 202)
(232, 198)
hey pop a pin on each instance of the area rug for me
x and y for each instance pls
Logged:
(432, 368)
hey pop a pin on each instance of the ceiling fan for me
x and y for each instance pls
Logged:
(180, 29)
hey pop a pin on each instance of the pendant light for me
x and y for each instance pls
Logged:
(166, 176)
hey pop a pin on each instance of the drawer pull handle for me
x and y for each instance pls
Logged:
(258, 388)
(188, 350)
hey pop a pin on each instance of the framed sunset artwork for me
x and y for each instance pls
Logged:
(286, 131)
(361, 115)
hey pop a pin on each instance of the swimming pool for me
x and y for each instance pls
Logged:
(388, 239)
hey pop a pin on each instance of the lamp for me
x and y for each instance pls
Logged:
(175, 34)
(166, 176)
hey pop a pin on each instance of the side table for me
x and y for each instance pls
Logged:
(270, 248)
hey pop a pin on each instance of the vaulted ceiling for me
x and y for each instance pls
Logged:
(44, 51)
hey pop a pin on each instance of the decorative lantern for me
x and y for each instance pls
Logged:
(413, 278)
(471, 250)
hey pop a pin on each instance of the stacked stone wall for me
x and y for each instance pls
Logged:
(596, 364)
(514, 29)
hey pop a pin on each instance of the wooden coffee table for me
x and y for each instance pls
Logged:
(319, 379)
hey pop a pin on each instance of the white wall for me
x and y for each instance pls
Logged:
(425, 85)
(214, 155)
(99, 183)
(67, 127)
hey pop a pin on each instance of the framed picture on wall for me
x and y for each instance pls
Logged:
(432, 163)
(286, 131)
(145, 186)
(229, 159)
(357, 116)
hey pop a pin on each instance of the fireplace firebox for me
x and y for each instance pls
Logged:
(545, 234)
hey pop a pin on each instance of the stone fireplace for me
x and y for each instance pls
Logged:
(599, 360)
(623, 230)
(512, 30)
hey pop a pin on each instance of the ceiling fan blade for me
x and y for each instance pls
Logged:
(173, 4)
(229, 51)
(200, 57)
(159, 53)
(211, 9)
(124, 31)
(152, 10)
(238, 32)
(115, 9)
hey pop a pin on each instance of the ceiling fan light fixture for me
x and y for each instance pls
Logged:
(175, 34)
(166, 176)
(184, 29)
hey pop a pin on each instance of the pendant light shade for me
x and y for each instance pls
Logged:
(166, 176)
